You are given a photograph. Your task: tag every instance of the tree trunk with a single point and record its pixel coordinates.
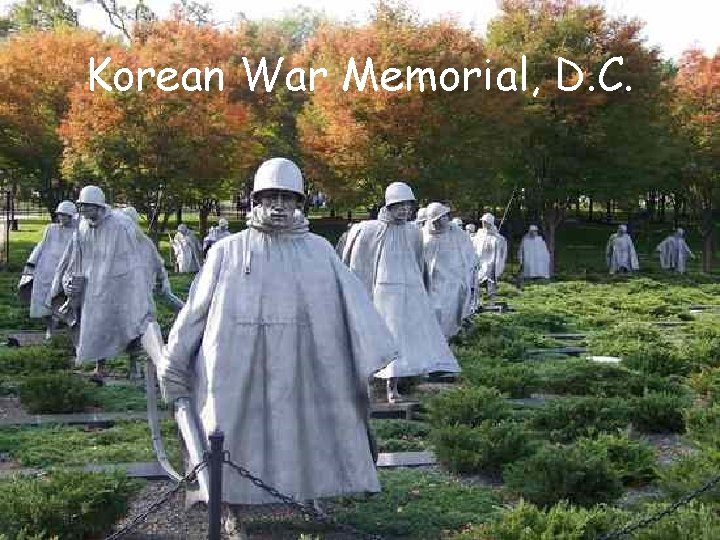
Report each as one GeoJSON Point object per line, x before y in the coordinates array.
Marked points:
{"type": "Point", "coordinates": [677, 203]}
{"type": "Point", "coordinates": [590, 209]}
{"type": "Point", "coordinates": [707, 230]}
{"type": "Point", "coordinates": [551, 220]}
{"type": "Point", "coordinates": [178, 214]}
{"type": "Point", "coordinates": [206, 206]}
{"type": "Point", "coordinates": [663, 203]}
{"type": "Point", "coordinates": [608, 211]}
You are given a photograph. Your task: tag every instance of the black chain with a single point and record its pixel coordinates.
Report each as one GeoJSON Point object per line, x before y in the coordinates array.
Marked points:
{"type": "Point", "coordinates": [161, 500]}
{"type": "Point", "coordinates": [647, 521]}
{"type": "Point", "coordinates": [307, 510]}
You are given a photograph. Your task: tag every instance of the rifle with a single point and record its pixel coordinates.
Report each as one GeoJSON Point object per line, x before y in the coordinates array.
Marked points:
{"type": "Point", "coordinates": [185, 414]}
{"type": "Point", "coordinates": [70, 311]}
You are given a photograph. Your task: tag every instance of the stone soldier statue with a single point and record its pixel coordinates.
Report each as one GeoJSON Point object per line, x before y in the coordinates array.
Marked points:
{"type": "Point", "coordinates": [276, 344]}
{"type": "Point", "coordinates": [452, 268]}
{"type": "Point", "coordinates": [387, 255]}
{"type": "Point", "coordinates": [215, 234]}
{"type": "Point", "coordinates": [43, 261]}
{"type": "Point", "coordinates": [620, 252]}
{"type": "Point", "coordinates": [187, 250]}
{"type": "Point", "coordinates": [674, 252]}
{"type": "Point", "coordinates": [534, 256]}
{"type": "Point", "coordinates": [491, 249]}
{"type": "Point", "coordinates": [109, 305]}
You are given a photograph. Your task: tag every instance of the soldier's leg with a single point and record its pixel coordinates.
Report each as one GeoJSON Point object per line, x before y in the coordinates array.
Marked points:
{"type": "Point", "coordinates": [393, 395]}
{"type": "Point", "coordinates": [232, 523]}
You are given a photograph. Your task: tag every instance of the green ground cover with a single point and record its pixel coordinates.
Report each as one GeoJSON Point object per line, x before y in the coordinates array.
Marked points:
{"type": "Point", "coordinates": [561, 467]}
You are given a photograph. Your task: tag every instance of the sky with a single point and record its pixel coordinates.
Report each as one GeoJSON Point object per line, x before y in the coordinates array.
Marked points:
{"type": "Point", "coordinates": [671, 25]}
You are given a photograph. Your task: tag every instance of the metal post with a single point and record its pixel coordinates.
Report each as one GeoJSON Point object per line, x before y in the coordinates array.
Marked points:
{"type": "Point", "coordinates": [217, 438]}
{"type": "Point", "coordinates": [8, 197]}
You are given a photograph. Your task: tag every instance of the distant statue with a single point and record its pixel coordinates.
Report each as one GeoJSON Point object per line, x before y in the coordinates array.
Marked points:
{"type": "Point", "coordinates": [387, 255]}
{"type": "Point", "coordinates": [620, 252]}
{"type": "Point", "coordinates": [105, 283]}
{"type": "Point", "coordinates": [452, 269]}
{"type": "Point", "coordinates": [674, 252]}
{"type": "Point", "coordinates": [491, 249]}
{"type": "Point", "coordinates": [187, 250]}
{"type": "Point", "coordinates": [276, 343]}
{"type": "Point", "coordinates": [40, 267]}
{"type": "Point", "coordinates": [534, 256]}
{"type": "Point", "coordinates": [471, 230]}
{"type": "Point", "coordinates": [421, 217]}
{"type": "Point", "coordinates": [216, 234]}
{"type": "Point", "coordinates": [340, 247]}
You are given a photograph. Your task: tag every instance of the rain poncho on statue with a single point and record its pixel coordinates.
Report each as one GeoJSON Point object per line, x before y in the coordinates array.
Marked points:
{"type": "Point", "coordinates": [186, 248]}
{"type": "Point", "coordinates": [674, 252]}
{"type": "Point", "coordinates": [387, 255]}
{"type": "Point", "coordinates": [452, 269]}
{"type": "Point", "coordinates": [216, 234]}
{"type": "Point", "coordinates": [279, 340]}
{"type": "Point", "coordinates": [116, 304]}
{"type": "Point", "coordinates": [620, 252]}
{"type": "Point", "coordinates": [491, 249]}
{"type": "Point", "coordinates": [46, 255]}
{"type": "Point", "coordinates": [534, 256]}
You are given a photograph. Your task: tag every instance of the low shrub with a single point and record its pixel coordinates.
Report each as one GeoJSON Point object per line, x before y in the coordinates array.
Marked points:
{"type": "Point", "coordinates": [515, 380]}
{"type": "Point", "coordinates": [71, 505]}
{"type": "Point", "coordinates": [579, 377]}
{"type": "Point", "coordinates": [633, 460]}
{"type": "Point", "coordinates": [695, 521]}
{"type": "Point", "coordinates": [467, 406]}
{"type": "Point", "coordinates": [659, 412]}
{"type": "Point", "coordinates": [690, 472]}
{"type": "Point", "coordinates": [556, 473]}
{"type": "Point", "coordinates": [33, 359]}
{"type": "Point", "coordinates": [563, 420]}
{"type": "Point", "coordinates": [486, 448]}
{"type": "Point", "coordinates": [707, 384]}
{"type": "Point", "coordinates": [703, 425]}
{"type": "Point", "coordinates": [563, 521]}
{"type": "Point", "coordinates": [57, 393]}
{"type": "Point", "coordinates": [400, 435]}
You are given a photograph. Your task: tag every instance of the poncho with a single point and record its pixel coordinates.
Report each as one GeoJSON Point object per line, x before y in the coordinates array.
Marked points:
{"type": "Point", "coordinates": [621, 253]}
{"type": "Point", "coordinates": [534, 257]}
{"type": "Point", "coordinates": [46, 256]}
{"type": "Point", "coordinates": [674, 253]}
{"type": "Point", "coordinates": [388, 259]}
{"type": "Point", "coordinates": [279, 339]}
{"type": "Point", "coordinates": [187, 252]}
{"type": "Point", "coordinates": [116, 303]}
{"type": "Point", "coordinates": [452, 270]}
{"type": "Point", "coordinates": [491, 249]}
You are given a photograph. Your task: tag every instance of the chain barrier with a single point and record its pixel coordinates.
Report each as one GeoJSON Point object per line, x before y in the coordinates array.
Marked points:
{"type": "Point", "coordinates": [650, 520]}
{"type": "Point", "coordinates": [161, 500]}
{"type": "Point", "coordinates": [307, 510]}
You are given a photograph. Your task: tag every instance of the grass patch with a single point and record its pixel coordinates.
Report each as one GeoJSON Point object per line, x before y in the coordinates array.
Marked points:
{"type": "Point", "coordinates": [76, 446]}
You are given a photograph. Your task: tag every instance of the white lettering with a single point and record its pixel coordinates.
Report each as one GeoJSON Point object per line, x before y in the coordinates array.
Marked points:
{"type": "Point", "coordinates": [94, 74]}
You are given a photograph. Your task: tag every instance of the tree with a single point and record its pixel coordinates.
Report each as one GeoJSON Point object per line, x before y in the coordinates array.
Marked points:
{"type": "Point", "coordinates": [596, 143]}
{"type": "Point", "coordinates": [42, 14]}
{"type": "Point", "coordinates": [449, 145]}
{"type": "Point", "coordinates": [34, 99]}
{"type": "Point", "coordinates": [697, 110]}
{"type": "Point", "coordinates": [158, 149]}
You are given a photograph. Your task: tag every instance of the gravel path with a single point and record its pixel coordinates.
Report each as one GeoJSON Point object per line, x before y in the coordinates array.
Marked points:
{"type": "Point", "coordinates": [173, 522]}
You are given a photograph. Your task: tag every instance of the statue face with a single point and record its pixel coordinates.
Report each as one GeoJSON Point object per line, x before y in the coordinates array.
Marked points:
{"type": "Point", "coordinates": [400, 212]}
{"type": "Point", "coordinates": [278, 207]}
{"type": "Point", "coordinates": [532, 233]}
{"type": "Point", "coordinates": [486, 225]}
{"type": "Point", "coordinates": [64, 219]}
{"type": "Point", "coordinates": [90, 212]}
{"type": "Point", "coordinates": [440, 224]}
